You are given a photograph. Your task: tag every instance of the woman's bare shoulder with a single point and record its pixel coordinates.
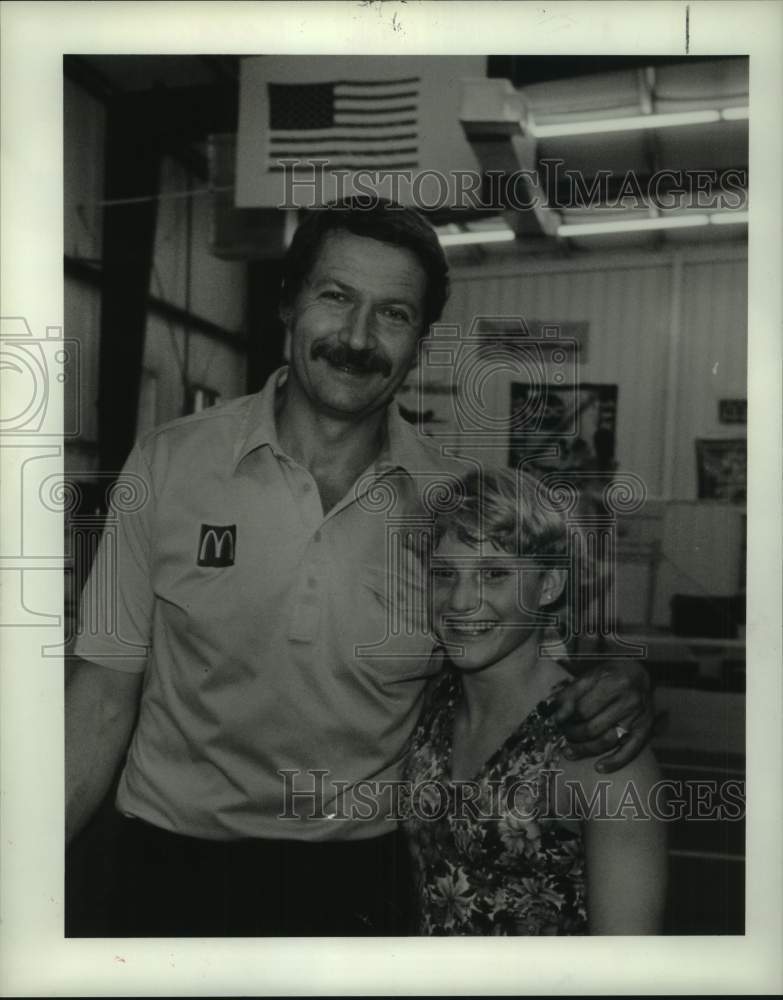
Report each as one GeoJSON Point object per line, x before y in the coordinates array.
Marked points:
{"type": "Point", "coordinates": [611, 789]}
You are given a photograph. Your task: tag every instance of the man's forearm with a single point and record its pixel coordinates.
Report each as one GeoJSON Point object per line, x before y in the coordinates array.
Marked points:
{"type": "Point", "coordinates": [100, 712]}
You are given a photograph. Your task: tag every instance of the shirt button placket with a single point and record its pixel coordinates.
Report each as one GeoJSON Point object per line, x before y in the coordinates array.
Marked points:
{"type": "Point", "coordinates": [311, 505]}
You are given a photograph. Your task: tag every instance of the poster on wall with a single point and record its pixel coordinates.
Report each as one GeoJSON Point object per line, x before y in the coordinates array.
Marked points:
{"type": "Point", "coordinates": [733, 411]}
{"type": "Point", "coordinates": [439, 397]}
{"type": "Point", "coordinates": [579, 419]}
{"type": "Point", "coordinates": [722, 469]}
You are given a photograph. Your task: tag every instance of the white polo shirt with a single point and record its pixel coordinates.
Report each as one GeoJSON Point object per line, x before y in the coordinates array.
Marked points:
{"type": "Point", "coordinates": [261, 615]}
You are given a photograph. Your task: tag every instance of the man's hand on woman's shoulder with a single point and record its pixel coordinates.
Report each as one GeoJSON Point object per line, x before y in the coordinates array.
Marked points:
{"type": "Point", "coordinates": [606, 713]}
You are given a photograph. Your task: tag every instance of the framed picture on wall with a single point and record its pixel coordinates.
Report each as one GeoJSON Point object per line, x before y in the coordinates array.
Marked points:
{"type": "Point", "coordinates": [722, 469]}
{"type": "Point", "coordinates": [733, 411]}
{"type": "Point", "coordinates": [580, 419]}
{"type": "Point", "coordinates": [463, 375]}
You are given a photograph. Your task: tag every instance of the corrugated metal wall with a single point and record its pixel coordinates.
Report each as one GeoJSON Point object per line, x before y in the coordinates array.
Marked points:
{"type": "Point", "coordinates": [85, 122]}
{"type": "Point", "coordinates": [713, 359]}
{"type": "Point", "coordinates": [627, 300]}
{"type": "Point", "coordinates": [216, 292]}
{"type": "Point", "coordinates": [217, 288]}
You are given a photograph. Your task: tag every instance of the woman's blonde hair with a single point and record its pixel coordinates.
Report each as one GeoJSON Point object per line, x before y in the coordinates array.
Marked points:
{"type": "Point", "coordinates": [507, 509]}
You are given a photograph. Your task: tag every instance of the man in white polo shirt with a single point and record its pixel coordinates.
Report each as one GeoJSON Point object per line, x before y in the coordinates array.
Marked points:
{"type": "Point", "coordinates": [253, 592]}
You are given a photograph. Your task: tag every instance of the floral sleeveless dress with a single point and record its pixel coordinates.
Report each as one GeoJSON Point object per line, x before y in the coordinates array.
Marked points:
{"type": "Point", "coordinates": [497, 865]}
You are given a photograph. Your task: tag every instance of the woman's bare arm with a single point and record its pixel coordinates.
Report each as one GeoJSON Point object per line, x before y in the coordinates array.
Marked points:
{"type": "Point", "coordinates": [626, 851]}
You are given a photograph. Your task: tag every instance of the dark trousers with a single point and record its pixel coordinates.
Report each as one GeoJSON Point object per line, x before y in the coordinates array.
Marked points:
{"type": "Point", "coordinates": [165, 884]}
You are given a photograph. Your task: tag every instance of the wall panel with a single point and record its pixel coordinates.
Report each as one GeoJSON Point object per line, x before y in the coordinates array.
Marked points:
{"type": "Point", "coordinates": [82, 323]}
{"type": "Point", "coordinates": [627, 337]}
{"type": "Point", "coordinates": [84, 127]}
{"type": "Point", "coordinates": [84, 124]}
{"type": "Point", "coordinates": [211, 364]}
{"type": "Point", "coordinates": [627, 300]}
{"type": "Point", "coordinates": [713, 359]}
{"type": "Point", "coordinates": [216, 292]}
{"type": "Point", "coordinates": [217, 287]}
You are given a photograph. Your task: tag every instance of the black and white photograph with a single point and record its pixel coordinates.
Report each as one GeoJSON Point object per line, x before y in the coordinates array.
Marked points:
{"type": "Point", "coordinates": [386, 517]}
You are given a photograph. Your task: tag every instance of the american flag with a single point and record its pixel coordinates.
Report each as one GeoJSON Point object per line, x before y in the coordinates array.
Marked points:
{"type": "Point", "coordinates": [352, 124]}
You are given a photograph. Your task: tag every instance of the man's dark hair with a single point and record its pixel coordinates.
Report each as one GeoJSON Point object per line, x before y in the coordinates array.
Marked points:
{"type": "Point", "coordinates": [377, 219]}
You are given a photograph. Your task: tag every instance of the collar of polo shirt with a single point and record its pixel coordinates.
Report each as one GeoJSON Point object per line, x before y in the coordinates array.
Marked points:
{"type": "Point", "coordinates": [402, 448]}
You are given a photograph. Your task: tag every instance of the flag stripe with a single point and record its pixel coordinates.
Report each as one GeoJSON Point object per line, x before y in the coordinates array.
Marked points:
{"type": "Point", "coordinates": [342, 108]}
{"type": "Point", "coordinates": [342, 165]}
{"type": "Point", "coordinates": [404, 150]}
{"type": "Point", "coordinates": [313, 140]}
{"type": "Point", "coordinates": [324, 154]}
{"type": "Point", "coordinates": [368, 127]}
{"type": "Point", "coordinates": [397, 123]}
{"type": "Point", "coordinates": [394, 95]}
{"type": "Point", "coordinates": [307, 152]}
{"type": "Point", "coordinates": [377, 83]}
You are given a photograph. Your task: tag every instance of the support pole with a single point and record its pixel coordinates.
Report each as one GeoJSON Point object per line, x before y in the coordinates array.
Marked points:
{"type": "Point", "coordinates": [133, 157]}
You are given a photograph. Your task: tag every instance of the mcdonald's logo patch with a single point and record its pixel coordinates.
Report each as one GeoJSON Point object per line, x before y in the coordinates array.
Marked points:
{"type": "Point", "coordinates": [217, 545]}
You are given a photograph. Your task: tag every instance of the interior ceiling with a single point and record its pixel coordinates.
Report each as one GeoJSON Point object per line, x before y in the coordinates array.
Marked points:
{"type": "Point", "coordinates": [555, 90]}
{"type": "Point", "coordinates": [663, 89]}
{"type": "Point", "coordinates": [124, 74]}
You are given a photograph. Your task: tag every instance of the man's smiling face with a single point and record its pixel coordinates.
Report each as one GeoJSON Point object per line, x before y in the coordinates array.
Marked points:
{"type": "Point", "coordinates": [355, 324]}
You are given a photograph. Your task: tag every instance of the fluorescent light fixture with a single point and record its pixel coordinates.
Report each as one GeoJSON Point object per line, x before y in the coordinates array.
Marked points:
{"type": "Point", "coordinates": [729, 218]}
{"type": "Point", "coordinates": [570, 229]}
{"type": "Point", "coordinates": [631, 225]}
{"type": "Point", "coordinates": [635, 122]}
{"type": "Point", "coordinates": [646, 225]}
{"type": "Point", "coordinates": [476, 236]}
{"type": "Point", "coordinates": [735, 114]}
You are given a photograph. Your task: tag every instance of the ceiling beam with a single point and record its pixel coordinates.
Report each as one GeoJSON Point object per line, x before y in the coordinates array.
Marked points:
{"type": "Point", "coordinates": [224, 68]}
{"type": "Point", "coordinates": [493, 117]}
{"type": "Point", "coordinates": [80, 71]}
{"type": "Point", "coordinates": [178, 117]}
{"type": "Point", "coordinates": [524, 71]}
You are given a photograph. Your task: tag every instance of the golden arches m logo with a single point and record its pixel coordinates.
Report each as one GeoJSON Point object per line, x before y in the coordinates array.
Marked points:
{"type": "Point", "coordinates": [217, 545]}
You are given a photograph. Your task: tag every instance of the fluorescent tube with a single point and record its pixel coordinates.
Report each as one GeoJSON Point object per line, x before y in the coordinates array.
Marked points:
{"type": "Point", "coordinates": [635, 122]}
{"type": "Point", "coordinates": [476, 236]}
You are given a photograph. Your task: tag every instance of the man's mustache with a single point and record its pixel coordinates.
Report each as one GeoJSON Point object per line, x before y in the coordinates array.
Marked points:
{"type": "Point", "coordinates": [346, 357]}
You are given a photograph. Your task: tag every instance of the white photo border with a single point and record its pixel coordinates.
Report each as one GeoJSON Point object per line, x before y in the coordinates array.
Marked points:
{"type": "Point", "coordinates": [35, 958]}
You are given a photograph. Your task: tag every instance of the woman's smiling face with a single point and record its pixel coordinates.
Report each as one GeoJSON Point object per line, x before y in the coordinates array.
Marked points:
{"type": "Point", "coordinates": [483, 602]}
